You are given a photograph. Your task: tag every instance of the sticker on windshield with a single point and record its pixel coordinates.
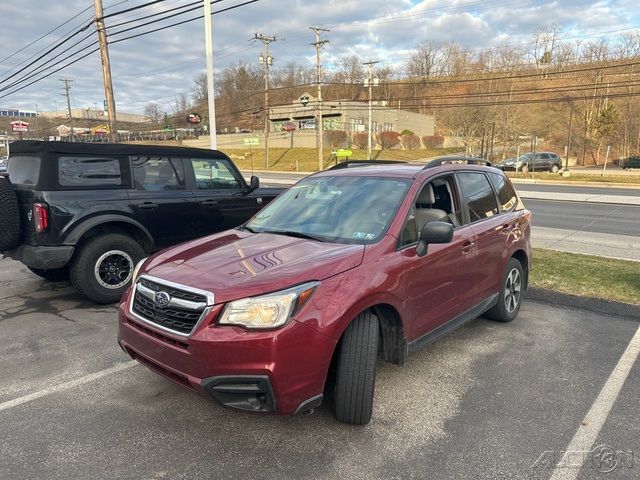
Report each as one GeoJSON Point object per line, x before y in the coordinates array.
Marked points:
{"type": "Point", "coordinates": [364, 235]}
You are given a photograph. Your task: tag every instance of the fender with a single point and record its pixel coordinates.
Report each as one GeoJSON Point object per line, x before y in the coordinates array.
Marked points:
{"type": "Point", "coordinates": [78, 231]}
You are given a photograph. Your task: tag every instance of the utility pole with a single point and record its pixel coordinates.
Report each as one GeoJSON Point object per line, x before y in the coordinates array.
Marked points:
{"type": "Point", "coordinates": [106, 71]}
{"type": "Point", "coordinates": [265, 61]}
{"type": "Point", "coordinates": [208, 42]}
{"type": "Point", "coordinates": [566, 166]}
{"type": "Point", "coordinates": [320, 124]}
{"type": "Point", "coordinates": [370, 82]}
{"type": "Point", "coordinates": [67, 88]}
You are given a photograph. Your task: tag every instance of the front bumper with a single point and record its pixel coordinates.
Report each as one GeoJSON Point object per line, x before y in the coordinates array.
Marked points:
{"type": "Point", "coordinates": [281, 371]}
{"type": "Point", "coordinates": [44, 258]}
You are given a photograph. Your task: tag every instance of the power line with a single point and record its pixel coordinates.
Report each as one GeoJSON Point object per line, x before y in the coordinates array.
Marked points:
{"type": "Point", "coordinates": [45, 35]}
{"type": "Point", "coordinates": [178, 23]}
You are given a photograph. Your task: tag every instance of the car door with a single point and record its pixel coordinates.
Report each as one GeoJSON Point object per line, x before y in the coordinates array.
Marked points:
{"type": "Point", "coordinates": [160, 199]}
{"type": "Point", "coordinates": [221, 194]}
{"type": "Point", "coordinates": [439, 286]}
{"type": "Point", "coordinates": [489, 227]}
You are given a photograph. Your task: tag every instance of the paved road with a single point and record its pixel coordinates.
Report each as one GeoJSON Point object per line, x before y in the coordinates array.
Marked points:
{"type": "Point", "coordinates": [539, 187]}
{"type": "Point", "coordinates": [485, 402]}
{"type": "Point", "coordinates": [588, 217]}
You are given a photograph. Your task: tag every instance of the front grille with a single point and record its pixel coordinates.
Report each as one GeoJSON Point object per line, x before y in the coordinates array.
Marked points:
{"type": "Point", "coordinates": [180, 315]}
{"type": "Point", "coordinates": [173, 292]}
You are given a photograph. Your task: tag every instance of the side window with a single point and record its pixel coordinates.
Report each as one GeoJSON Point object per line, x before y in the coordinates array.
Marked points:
{"type": "Point", "coordinates": [89, 172]}
{"type": "Point", "coordinates": [479, 195]}
{"type": "Point", "coordinates": [213, 174]}
{"type": "Point", "coordinates": [506, 193]}
{"type": "Point", "coordinates": [154, 174]}
{"type": "Point", "coordinates": [436, 201]}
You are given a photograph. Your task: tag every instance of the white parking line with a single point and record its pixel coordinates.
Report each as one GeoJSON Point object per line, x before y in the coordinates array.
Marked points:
{"type": "Point", "coordinates": [65, 386]}
{"type": "Point", "coordinates": [590, 427]}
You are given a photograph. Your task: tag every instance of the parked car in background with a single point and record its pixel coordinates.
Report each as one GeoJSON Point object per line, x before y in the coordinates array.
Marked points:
{"type": "Point", "coordinates": [346, 265]}
{"type": "Point", "coordinates": [3, 164]}
{"type": "Point", "coordinates": [90, 212]}
{"type": "Point", "coordinates": [630, 162]}
{"type": "Point", "coordinates": [533, 161]}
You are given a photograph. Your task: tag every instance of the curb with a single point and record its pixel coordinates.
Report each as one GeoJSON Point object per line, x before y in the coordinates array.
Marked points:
{"type": "Point", "coordinates": [595, 305]}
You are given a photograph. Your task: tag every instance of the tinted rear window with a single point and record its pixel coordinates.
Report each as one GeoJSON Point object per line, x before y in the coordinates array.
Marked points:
{"type": "Point", "coordinates": [506, 193]}
{"type": "Point", "coordinates": [479, 194]}
{"type": "Point", "coordinates": [24, 170]}
{"type": "Point", "coordinates": [89, 172]}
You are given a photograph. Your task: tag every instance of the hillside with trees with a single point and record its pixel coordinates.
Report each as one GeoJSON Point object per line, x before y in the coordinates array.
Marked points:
{"type": "Point", "coordinates": [518, 95]}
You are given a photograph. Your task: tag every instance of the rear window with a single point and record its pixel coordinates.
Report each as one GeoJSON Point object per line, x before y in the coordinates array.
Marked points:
{"type": "Point", "coordinates": [89, 172]}
{"type": "Point", "coordinates": [480, 197]}
{"type": "Point", "coordinates": [506, 193]}
{"type": "Point", "coordinates": [24, 170]}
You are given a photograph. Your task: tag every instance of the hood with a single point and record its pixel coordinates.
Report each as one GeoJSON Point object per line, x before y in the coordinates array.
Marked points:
{"type": "Point", "coordinates": [237, 264]}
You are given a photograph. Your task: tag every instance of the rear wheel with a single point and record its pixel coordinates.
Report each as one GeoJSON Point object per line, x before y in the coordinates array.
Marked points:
{"type": "Point", "coordinates": [103, 268]}
{"type": "Point", "coordinates": [53, 275]}
{"type": "Point", "coordinates": [356, 370]}
{"type": "Point", "coordinates": [9, 216]}
{"type": "Point", "coordinates": [510, 296]}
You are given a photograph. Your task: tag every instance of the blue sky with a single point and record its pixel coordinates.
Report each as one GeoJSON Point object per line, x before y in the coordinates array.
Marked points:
{"type": "Point", "coordinates": [159, 66]}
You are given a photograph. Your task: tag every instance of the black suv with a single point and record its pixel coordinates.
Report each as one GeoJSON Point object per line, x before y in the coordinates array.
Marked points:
{"type": "Point", "coordinates": [91, 212]}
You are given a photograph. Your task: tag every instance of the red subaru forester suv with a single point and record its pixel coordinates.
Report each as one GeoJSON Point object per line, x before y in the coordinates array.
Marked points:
{"type": "Point", "coordinates": [346, 266]}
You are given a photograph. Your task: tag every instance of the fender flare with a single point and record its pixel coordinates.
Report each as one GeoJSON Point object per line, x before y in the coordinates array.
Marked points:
{"type": "Point", "coordinates": [76, 233]}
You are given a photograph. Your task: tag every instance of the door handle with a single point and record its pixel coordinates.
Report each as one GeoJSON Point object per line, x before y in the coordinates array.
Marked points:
{"type": "Point", "coordinates": [209, 203]}
{"type": "Point", "coordinates": [148, 206]}
{"type": "Point", "coordinates": [467, 247]}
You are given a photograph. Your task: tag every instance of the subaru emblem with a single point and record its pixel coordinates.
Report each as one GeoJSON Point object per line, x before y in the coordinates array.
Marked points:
{"type": "Point", "coordinates": [161, 299]}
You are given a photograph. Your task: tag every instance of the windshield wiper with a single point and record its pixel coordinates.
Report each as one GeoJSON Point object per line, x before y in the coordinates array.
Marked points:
{"type": "Point", "coordinates": [248, 229]}
{"type": "Point", "coordinates": [292, 233]}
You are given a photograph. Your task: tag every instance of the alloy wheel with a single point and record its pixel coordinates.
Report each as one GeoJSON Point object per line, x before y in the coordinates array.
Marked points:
{"type": "Point", "coordinates": [512, 289]}
{"type": "Point", "coordinates": [114, 269]}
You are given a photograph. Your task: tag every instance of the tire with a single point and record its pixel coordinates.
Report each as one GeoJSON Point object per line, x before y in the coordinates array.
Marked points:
{"type": "Point", "coordinates": [554, 169]}
{"type": "Point", "coordinates": [103, 267]}
{"type": "Point", "coordinates": [505, 310]}
{"type": "Point", "coordinates": [53, 275]}
{"type": "Point", "coordinates": [9, 216]}
{"type": "Point", "coordinates": [356, 370]}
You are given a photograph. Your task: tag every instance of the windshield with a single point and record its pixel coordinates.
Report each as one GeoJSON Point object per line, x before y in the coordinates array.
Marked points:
{"type": "Point", "coordinates": [336, 209]}
{"type": "Point", "coordinates": [526, 156]}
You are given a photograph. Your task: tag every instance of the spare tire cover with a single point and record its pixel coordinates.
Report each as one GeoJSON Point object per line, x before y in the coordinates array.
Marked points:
{"type": "Point", "coordinates": [9, 216]}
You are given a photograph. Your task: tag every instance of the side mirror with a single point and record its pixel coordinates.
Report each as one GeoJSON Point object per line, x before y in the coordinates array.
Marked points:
{"type": "Point", "coordinates": [254, 183]}
{"type": "Point", "coordinates": [433, 232]}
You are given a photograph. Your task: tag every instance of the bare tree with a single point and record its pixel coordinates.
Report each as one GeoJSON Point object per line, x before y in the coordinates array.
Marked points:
{"type": "Point", "coordinates": [425, 61]}
{"type": "Point", "coordinates": [199, 90]}
{"type": "Point", "coordinates": [153, 111]}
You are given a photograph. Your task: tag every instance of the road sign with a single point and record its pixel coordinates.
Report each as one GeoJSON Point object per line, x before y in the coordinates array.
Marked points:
{"type": "Point", "coordinates": [194, 118]}
{"type": "Point", "coordinates": [289, 127]}
{"type": "Point", "coordinates": [252, 141]}
{"type": "Point", "coordinates": [19, 126]}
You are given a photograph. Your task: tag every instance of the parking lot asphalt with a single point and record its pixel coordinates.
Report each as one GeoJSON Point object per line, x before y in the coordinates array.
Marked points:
{"type": "Point", "coordinates": [488, 401]}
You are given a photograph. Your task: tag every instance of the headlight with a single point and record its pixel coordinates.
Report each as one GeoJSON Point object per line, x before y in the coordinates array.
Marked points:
{"type": "Point", "coordinates": [267, 311]}
{"type": "Point", "coordinates": [136, 270]}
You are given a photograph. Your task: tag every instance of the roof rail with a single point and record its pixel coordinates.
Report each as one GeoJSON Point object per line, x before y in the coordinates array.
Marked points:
{"type": "Point", "coordinates": [468, 160]}
{"type": "Point", "coordinates": [364, 163]}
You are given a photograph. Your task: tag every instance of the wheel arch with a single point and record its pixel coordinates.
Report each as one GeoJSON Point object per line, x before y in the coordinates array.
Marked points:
{"type": "Point", "coordinates": [111, 224]}
{"type": "Point", "coordinates": [523, 258]}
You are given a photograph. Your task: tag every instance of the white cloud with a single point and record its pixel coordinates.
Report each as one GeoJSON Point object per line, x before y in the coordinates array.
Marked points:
{"type": "Point", "coordinates": [162, 65]}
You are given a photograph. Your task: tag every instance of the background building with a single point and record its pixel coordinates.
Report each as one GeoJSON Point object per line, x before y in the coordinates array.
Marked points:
{"type": "Point", "coordinates": [350, 116]}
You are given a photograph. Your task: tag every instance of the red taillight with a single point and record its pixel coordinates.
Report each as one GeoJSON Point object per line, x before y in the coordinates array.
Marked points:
{"type": "Point", "coordinates": [40, 217]}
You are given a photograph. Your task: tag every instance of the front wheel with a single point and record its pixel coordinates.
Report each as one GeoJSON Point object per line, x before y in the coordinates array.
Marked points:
{"type": "Point", "coordinates": [356, 370]}
{"type": "Point", "coordinates": [555, 169]}
{"type": "Point", "coordinates": [103, 268]}
{"type": "Point", "coordinates": [510, 295]}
